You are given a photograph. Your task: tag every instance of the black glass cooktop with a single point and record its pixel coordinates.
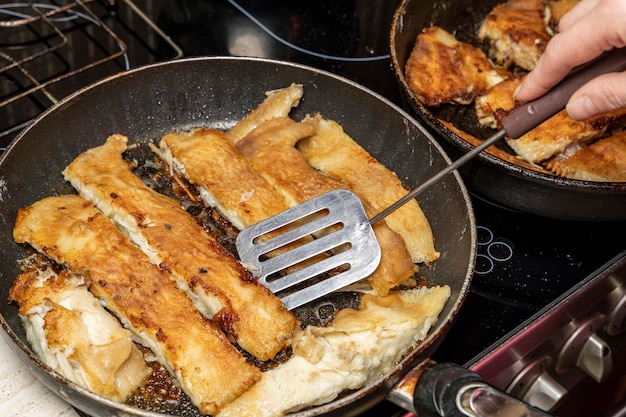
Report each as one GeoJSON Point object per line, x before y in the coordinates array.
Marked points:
{"type": "Point", "coordinates": [524, 261]}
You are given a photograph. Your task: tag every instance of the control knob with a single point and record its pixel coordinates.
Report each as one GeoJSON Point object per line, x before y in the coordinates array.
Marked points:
{"type": "Point", "coordinates": [586, 350]}
{"type": "Point", "coordinates": [535, 386]}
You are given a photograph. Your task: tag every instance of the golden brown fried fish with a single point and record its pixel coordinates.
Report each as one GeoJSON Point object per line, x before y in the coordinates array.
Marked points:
{"type": "Point", "coordinates": [271, 150]}
{"type": "Point", "coordinates": [517, 31]}
{"type": "Point", "coordinates": [223, 290]}
{"type": "Point", "coordinates": [71, 231]}
{"type": "Point", "coordinates": [441, 69]}
{"type": "Point", "coordinates": [603, 160]}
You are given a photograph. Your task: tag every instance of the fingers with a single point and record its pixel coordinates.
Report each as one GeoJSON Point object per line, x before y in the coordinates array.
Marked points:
{"type": "Point", "coordinates": [600, 95]}
{"type": "Point", "coordinates": [550, 69]}
{"type": "Point", "coordinates": [579, 11]}
{"type": "Point", "coordinates": [589, 29]}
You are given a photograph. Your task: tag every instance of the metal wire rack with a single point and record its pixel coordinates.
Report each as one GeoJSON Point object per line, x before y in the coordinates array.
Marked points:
{"type": "Point", "coordinates": [49, 49]}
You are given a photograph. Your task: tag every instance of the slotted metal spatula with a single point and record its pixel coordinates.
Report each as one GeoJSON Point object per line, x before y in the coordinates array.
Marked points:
{"type": "Point", "coordinates": [342, 229]}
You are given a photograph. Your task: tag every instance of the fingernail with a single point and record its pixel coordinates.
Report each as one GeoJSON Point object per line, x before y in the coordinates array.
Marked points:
{"type": "Point", "coordinates": [517, 90]}
{"type": "Point", "coordinates": [581, 108]}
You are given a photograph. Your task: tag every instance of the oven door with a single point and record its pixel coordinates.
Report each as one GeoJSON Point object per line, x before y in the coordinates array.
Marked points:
{"type": "Point", "coordinates": [570, 358]}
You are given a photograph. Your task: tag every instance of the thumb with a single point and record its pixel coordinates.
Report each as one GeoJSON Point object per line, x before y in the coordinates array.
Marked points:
{"type": "Point", "coordinates": [603, 94]}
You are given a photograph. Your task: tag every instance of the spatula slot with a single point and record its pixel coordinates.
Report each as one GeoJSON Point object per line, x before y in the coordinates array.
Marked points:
{"type": "Point", "coordinates": [295, 236]}
{"type": "Point", "coordinates": [309, 258]}
{"type": "Point", "coordinates": [312, 249]}
{"type": "Point", "coordinates": [296, 223]}
{"type": "Point", "coordinates": [284, 285]}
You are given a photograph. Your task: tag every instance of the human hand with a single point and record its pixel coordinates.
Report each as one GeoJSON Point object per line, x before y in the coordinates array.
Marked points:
{"type": "Point", "coordinates": [588, 30]}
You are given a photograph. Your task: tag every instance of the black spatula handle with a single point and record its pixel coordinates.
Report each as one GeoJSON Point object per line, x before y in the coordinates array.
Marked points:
{"type": "Point", "coordinates": [533, 113]}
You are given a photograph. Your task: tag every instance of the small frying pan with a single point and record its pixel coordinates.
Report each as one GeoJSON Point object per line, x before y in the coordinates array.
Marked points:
{"type": "Point", "coordinates": [510, 185]}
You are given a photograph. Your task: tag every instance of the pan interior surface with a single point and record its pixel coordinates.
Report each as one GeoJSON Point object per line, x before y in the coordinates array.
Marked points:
{"type": "Point", "coordinates": [146, 103]}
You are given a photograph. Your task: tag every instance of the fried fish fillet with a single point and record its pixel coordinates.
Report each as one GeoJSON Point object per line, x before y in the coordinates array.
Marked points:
{"type": "Point", "coordinates": [603, 160]}
{"type": "Point", "coordinates": [219, 285]}
{"type": "Point", "coordinates": [354, 350]}
{"type": "Point", "coordinates": [74, 335]}
{"type": "Point", "coordinates": [270, 148]}
{"type": "Point", "coordinates": [334, 153]}
{"type": "Point", "coordinates": [222, 175]}
{"type": "Point", "coordinates": [226, 181]}
{"type": "Point", "coordinates": [561, 131]}
{"type": "Point", "coordinates": [72, 232]}
{"type": "Point", "coordinates": [496, 103]}
{"type": "Point", "coordinates": [278, 103]}
{"type": "Point", "coordinates": [441, 69]}
{"type": "Point", "coordinates": [552, 136]}
{"type": "Point", "coordinates": [517, 31]}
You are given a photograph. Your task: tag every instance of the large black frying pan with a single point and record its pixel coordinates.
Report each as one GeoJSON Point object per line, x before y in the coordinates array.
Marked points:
{"type": "Point", "coordinates": [146, 103]}
{"type": "Point", "coordinates": [509, 184]}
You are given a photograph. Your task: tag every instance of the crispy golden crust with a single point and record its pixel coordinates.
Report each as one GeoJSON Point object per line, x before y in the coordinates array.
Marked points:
{"type": "Point", "coordinates": [227, 181]}
{"type": "Point", "coordinates": [440, 69]}
{"type": "Point", "coordinates": [561, 131]}
{"type": "Point", "coordinates": [496, 103]}
{"type": "Point", "coordinates": [72, 232]}
{"type": "Point", "coordinates": [277, 104]}
{"type": "Point", "coordinates": [603, 160]}
{"type": "Point", "coordinates": [248, 311]}
{"type": "Point", "coordinates": [331, 151]}
{"type": "Point", "coordinates": [29, 292]}
{"type": "Point", "coordinates": [211, 161]}
{"type": "Point", "coordinates": [549, 138]}
{"type": "Point", "coordinates": [517, 31]}
{"type": "Point", "coordinates": [270, 148]}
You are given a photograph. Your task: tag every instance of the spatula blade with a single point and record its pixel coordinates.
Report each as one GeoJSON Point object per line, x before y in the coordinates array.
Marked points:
{"type": "Point", "coordinates": [343, 232]}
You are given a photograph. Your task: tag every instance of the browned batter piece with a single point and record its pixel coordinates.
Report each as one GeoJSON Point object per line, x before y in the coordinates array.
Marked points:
{"type": "Point", "coordinates": [270, 148]}
{"type": "Point", "coordinates": [603, 160]}
{"type": "Point", "coordinates": [222, 288]}
{"type": "Point", "coordinates": [550, 137]}
{"type": "Point", "coordinates": [497, 102]}
{"type": "Point", "coordinates": [72, 232]}
{"type": "Point", "coordinates": [75, 335]}
{"type": "Point", "coordinates": [561, 131]}
{"type": "Point", "coordinates": [517, 31]}
{"type": "Point", "coordinates": [278, 103]}
{"type": "Point", "coordinates": [441, 69]}
{"type": "Point", "coordinates": [226, 180]}
{"type": "Point", "coordinates": [211, 162]}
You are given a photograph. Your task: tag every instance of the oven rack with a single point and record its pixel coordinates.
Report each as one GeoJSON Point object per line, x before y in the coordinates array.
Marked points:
{"type": "Point", "coordinates": [45, 44]}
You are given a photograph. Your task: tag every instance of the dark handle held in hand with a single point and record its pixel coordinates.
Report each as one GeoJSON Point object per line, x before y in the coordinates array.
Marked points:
{"type": "Point", "coordinates": [535, 112]}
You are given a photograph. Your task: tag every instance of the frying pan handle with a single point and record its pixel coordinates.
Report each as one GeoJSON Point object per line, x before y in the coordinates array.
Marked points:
{"type": "Point", "coordinates": [449, 390]}
{"type": "Point", "coordinates": [535, 112]}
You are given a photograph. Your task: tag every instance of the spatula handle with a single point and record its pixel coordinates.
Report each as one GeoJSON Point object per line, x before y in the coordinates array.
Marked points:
{"type": "Point", "coordinates": [533, 113]}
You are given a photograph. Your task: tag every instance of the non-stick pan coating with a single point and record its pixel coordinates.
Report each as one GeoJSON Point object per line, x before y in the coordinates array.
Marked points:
{"type": "Point", "coordinates": [184, 94]}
